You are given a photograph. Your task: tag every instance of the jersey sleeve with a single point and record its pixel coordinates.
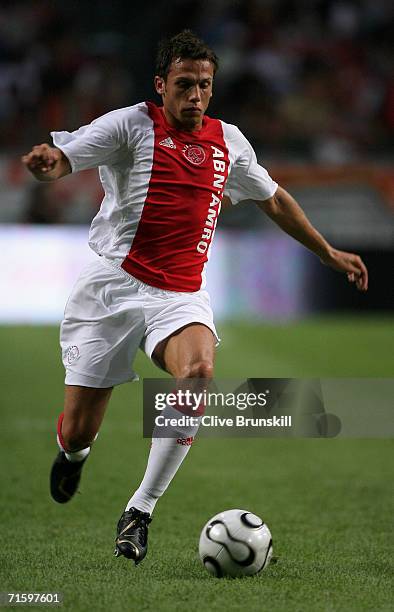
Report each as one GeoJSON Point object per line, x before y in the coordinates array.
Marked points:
{"type": "Point", "coordinates": [101, 143]}
{"type": "Point", "coordinates": [247, 179]}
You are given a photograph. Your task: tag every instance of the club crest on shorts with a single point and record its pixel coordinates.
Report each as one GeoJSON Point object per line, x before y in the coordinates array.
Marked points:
{"type": "Point", "coordinates": [194, 154]}
{"type": "Point", "coordinates": [72, 354]}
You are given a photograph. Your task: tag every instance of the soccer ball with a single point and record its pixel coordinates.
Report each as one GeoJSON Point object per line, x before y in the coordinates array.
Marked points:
{"type": "Point", "coordinates": [235, 543]}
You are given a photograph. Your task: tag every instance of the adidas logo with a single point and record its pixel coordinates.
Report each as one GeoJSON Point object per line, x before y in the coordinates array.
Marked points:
{"type": "Point", "coordinates": [168, 142]}
{"type": "Point", "coordinates": [185, 441]}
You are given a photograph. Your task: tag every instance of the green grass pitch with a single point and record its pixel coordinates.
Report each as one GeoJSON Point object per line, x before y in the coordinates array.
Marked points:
{"type": "Point", "coordinates": [327, 502]}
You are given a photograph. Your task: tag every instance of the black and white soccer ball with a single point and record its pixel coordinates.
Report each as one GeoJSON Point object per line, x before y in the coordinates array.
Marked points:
{"type": "Point", "coordinates": [235, 543]}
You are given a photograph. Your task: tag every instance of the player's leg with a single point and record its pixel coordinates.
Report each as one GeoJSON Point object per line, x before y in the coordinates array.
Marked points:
{"type": "Point", "coordinates": [101, 332]}
{"type": "Point", "coordinates": [187, 353]}
{"type": "Point", "coordinates": [78, 425]}
{"type": "Point", "coordinates": [84, 409]}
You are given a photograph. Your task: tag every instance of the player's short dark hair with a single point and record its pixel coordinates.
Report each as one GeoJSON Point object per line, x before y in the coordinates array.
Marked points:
{"type": "Point", "coordinates": [185, 45]}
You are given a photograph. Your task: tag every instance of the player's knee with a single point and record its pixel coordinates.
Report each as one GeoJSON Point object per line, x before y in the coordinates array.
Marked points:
{"type": "Point", "coordinates": [198, 369]}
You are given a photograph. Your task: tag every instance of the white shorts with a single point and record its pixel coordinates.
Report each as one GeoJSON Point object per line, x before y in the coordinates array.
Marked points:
{"type": "Point", "coordinates": [110, 314]}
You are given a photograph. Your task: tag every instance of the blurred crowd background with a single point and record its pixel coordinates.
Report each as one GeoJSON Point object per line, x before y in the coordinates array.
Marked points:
{"type": "Point", "coordinates": [309, 82]}
{"type": "Point", "coordinates": [309, 79]}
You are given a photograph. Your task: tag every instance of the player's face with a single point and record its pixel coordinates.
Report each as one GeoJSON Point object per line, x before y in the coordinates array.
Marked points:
{"type": "Point", "coordinates": [186, 92]}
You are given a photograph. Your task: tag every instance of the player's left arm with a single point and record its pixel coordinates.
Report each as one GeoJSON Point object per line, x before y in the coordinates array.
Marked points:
{"type": "Point", "coordinates": [289, 216]}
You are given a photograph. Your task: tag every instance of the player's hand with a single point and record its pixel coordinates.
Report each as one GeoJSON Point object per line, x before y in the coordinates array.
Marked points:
{"type": "Point", "coordinates": [43, 161]}
{"type": "Point", "coordinates": [349, 263]}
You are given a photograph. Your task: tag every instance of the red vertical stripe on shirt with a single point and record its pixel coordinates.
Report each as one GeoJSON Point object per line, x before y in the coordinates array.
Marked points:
{"type": "Point", "coordinates": [189, 171]}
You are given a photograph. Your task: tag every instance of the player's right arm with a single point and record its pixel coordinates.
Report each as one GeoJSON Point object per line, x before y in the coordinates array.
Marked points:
{"type": "Point", "coordinates": [46, 163]}
{"type": "Point", "coordinates": [106, 141]}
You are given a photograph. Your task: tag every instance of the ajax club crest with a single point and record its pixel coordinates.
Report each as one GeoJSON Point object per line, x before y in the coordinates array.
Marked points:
{"type": "Point", "coordinates": [72, 354]}
{"type": "Point", "coordinates": [194, 154]}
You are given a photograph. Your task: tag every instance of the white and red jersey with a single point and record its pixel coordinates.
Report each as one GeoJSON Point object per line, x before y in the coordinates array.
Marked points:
{"type": "Point", "coordinates": [163, 189]}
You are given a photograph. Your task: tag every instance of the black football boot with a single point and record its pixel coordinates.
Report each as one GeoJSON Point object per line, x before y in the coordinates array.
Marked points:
{"type": "Point", "coordinates": [132, 535]}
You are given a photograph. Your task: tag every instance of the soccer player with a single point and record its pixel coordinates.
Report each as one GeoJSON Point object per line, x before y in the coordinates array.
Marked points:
{"type": "Point", "coordinates": [165, 171]}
